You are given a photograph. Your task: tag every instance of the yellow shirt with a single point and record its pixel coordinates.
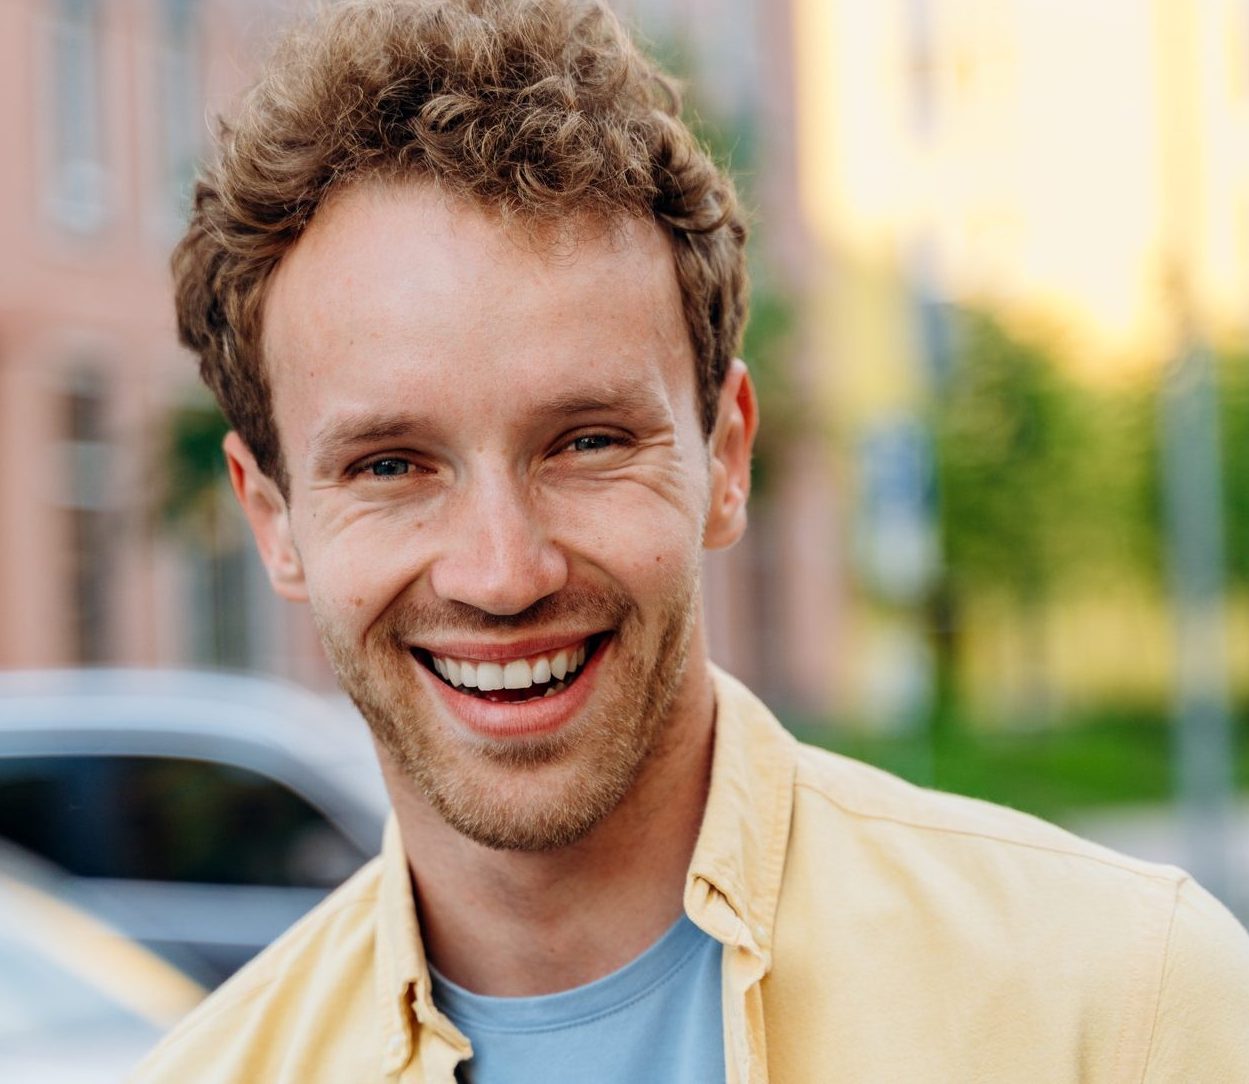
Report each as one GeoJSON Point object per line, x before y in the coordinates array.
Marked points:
{"type": "Point", "coordinates": [873, 931]}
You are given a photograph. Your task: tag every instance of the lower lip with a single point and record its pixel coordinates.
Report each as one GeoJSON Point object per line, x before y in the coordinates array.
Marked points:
{"type": "Point", "coordinates": [528, 719]}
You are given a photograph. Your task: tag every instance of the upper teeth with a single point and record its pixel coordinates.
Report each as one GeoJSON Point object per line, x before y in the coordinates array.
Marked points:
{"type": "Point", "coordinates": [511, 673]}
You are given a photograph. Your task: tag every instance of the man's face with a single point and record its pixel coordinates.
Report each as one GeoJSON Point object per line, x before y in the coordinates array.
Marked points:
{"type": "Point", "coordinates": [499, 494]}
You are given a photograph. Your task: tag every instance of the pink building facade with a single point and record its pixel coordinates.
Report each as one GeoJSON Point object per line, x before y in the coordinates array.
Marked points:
{"type": "Point", "coordinates": [106, 113]}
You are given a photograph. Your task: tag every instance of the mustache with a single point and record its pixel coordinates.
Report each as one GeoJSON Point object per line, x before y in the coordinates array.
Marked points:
{"type": "Point", "coordinates": [580, 607]}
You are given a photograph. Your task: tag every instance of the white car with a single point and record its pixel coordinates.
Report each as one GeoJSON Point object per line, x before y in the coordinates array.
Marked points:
{"type": "Point", "coordinates": [198, 813]}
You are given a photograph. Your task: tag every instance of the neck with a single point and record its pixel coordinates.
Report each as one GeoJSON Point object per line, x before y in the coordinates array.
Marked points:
{"type": "Point", "coordinates": [511, 923]}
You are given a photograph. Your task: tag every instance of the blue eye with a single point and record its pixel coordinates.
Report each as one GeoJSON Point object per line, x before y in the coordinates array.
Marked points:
{"type": "Point", "coordinates": [389, 468]}
{"type": "Point", "coordinates": [594, 442]}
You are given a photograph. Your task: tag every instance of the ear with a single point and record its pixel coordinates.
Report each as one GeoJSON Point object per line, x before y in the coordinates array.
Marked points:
{"type": "Point", "coordinates": [731, 442]}
{"type": "Point", "coordinates": [266, 511]}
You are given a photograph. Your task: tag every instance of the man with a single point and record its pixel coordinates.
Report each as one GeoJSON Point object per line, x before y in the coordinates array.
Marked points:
{"type": "Point", "coordinates": [469, 294]}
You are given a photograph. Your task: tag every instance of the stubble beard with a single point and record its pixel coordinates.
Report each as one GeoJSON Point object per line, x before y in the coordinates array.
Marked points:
{"type": "Point", "coordinates": [534, 795]}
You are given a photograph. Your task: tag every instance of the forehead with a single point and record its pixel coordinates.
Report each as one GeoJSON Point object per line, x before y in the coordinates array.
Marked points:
{"type": "Point", "coordinates": [399, 289]}
{"type": "Point", "coordinates": [376, 251]}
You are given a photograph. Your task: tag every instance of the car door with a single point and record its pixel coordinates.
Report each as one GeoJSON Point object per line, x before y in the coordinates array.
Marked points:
{"type": "Point", "coordinates": [203, 860]}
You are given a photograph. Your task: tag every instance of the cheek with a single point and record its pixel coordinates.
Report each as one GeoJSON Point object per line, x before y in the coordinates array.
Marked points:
{"type": "Point", "coordinates": [650, 551]}
{"type": "Point", "coordinates": [648, 527]}
{"type": "Point", "coordinates": [355, 575]}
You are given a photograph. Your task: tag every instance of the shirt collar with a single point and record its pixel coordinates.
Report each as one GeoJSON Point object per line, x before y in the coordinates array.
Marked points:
{"type": "Point", "coordinates": [734, 878]}
{"type": "Point", "coordinates": [403, 986]}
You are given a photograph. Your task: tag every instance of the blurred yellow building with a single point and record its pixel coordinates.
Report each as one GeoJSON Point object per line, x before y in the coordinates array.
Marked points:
{"type": "Point", "coordinates": [1081, 169]}
{"type": "Point", "coordinates": [1057, 159]}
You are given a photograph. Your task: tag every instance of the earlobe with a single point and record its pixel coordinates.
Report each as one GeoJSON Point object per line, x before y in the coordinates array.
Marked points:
{"type": "Point", "coordinates": [267, 513]}
{"type": "Point", "coordinates": [731, 444]}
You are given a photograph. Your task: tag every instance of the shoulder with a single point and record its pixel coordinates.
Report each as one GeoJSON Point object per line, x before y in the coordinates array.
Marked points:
{"type": "Point", "coordinates": [964, 896]}
{"type": "Point", "coordinates": [314, 971]}
{"type": "Point", "coordinates": [945, 917]}
{"type": "Point", "coordinates": [896, 814]}
{"type": "Point", "coordinates": [983, 872]}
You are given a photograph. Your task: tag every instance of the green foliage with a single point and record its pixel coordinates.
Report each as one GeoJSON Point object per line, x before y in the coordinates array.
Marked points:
{"type": "Point", "coordinates": [1041, 481]}
{"type": "Point", "coordinates": [1044, 487]}
{"type": "Point", "coordinates": [767, 348]}
{"type": "Point", "coordinates": [1109, 756]}
{"type": "Point", "coordinates": [1004, 429]}
{"type": "Point", "coordinates": [194, 463]}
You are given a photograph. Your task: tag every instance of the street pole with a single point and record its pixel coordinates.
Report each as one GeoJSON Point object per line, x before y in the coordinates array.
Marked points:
{"type": "Point", "coordinates": [1193, 501]}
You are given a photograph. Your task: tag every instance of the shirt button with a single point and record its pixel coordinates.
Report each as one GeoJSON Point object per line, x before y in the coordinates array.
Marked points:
{"type": "Point", "coordinates": [760, 932]}
{"type": "Point", "coordinates": [394, 1046]}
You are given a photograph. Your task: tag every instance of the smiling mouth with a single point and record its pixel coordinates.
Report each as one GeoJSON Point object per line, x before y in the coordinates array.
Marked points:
{"type": "Point", "coordinates": [514, 681]}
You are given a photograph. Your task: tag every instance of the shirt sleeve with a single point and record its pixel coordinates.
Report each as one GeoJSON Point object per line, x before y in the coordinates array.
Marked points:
{"type": "Point", "coordinates": [1201, 1028]}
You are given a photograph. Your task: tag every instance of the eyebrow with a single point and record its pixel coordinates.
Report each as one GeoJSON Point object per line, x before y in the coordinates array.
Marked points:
{"type": "Point", "coordinates": [340, 436]}
{"type": "Point", "coordinates": [632, 399]}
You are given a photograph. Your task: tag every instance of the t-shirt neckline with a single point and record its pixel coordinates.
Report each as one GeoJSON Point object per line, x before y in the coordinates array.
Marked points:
{"type": "Point", "coordinates": [579, 1005]}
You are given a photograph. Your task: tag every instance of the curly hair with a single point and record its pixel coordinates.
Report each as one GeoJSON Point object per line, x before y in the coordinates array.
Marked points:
{"type": "Point", "coordinates": [536, 108]}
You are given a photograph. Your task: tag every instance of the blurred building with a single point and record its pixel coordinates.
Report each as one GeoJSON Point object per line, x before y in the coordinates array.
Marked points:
{"type": "Point", "coordinates": [1061, 159]}
{"type": "Point", "coordinates": [107, 109]}
{"type": "Point", "coordinates": [1082, 170]}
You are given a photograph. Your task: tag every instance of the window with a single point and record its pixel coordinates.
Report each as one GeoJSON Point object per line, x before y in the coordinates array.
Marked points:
{"type": "Point", "coordinates": [921, 60]}
{"type": "Point", "coordinates": [181, 121]}
{"type": "Point", "coordinates": [87, 466]}
{"type": "Point", "coordinates": [223, 593]}
{"type": "Point", "coordinates": [169, 819]}
{"type": "Point", "coordinates": [933, 315]}
{"type": "Point", "coordinates": [76, 192]}
{"type": "Point", "coordinates": [896, 538]}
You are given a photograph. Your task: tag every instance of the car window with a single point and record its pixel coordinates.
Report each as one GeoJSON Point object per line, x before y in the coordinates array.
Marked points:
{"type": "Point", "coordinates": [169, 819]}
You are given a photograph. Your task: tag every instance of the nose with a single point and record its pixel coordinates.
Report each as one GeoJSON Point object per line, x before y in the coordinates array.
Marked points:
{"type": "Point", "coordinates": [498, 555]}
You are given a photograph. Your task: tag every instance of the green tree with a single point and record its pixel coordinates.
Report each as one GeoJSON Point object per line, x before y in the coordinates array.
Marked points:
{"type": "Point", "coordinates": [194, 466]}
{"type": "Point", "coordinates": [1005, 431]}
{"type": "Point", "coordinates": [1042, 483]}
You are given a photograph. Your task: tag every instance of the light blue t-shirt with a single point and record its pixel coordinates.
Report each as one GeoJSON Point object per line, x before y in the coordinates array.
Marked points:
{"type": "Point", "coordinates": [658, 1019]}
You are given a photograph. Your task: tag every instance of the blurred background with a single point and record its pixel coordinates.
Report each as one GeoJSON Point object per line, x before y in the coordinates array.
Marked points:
{"type": "Point", "coordinates": [1000, 534]}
